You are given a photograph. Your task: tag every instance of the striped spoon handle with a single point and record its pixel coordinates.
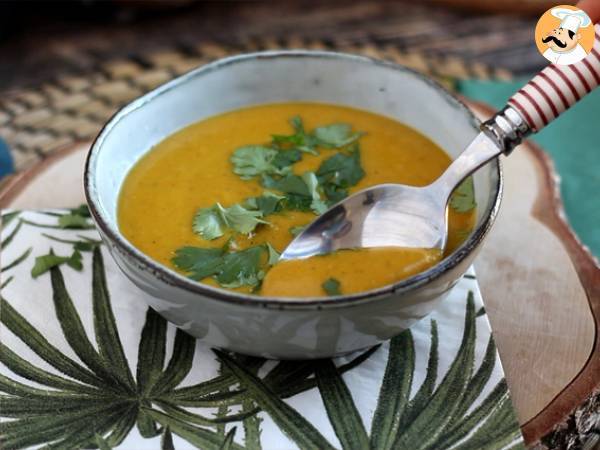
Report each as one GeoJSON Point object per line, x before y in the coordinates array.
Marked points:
{"type": "Point", "coordinates": [556, 88]}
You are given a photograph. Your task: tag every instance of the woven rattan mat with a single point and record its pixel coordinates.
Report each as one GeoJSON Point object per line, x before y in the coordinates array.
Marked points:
{"type": "Point", "coordinates": [37, 121]}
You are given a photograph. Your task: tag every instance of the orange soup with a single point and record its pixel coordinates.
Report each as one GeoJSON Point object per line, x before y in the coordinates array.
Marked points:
{"type": "Point", "coordinates": [219, 199]}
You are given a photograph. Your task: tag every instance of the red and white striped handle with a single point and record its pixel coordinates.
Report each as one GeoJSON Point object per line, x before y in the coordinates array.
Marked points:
{"type": "Point", "coordinates": [556, 88]}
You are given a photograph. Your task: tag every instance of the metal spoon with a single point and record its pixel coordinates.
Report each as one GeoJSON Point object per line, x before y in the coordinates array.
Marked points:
{"type": "Point", "coordinates": [395, 215]}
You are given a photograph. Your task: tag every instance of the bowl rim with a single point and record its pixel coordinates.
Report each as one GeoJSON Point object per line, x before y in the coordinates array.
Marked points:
{"type": "Point", "coordinates": [174, 279]}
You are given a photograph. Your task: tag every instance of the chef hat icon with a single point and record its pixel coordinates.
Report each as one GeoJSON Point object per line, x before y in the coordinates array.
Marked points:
{"type": "Point", "coordinates": [571, 20]}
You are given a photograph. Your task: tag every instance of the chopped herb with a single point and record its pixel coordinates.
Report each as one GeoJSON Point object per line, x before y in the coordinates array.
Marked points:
{"type": "Point", "coordinates": [199, 262]}
{"type": "Point", "coordinates": [286, 158]}
{"type": "Point", "coordinates": [230, 269]}
{"type": "Point", "coordinates": [46, 262]}
{"type": "Point", "coordinates": [300, 140]}
{"type": "Point", "coordinates": [267, 203]}
{"type": "Point", "coordinates": [331, 287]}
{"type": "Point", "coordinates": [463, 197]}
{"type": "Point", "coordinates": [274, 255]}
{"type": "Point", "coordinates": [336, 135]}
{"type": "Point", "coordinates": [341, 170]}
{"type": "Point", "coordinates": [297, 196]}
{"type": "Point", "coordinates": [317, 204]}
{"type": "Point", "coordinates": [290, 184]}
{"type": "Point", "coordinates": [272, 164]}
{"type": "Point", "coordinates": [242, 268]}
{"type": "Point", "coordinates": [211, 223]}
{"type": "Point", "coordinates": [302, 191]}
{"type": "Point", "coordinates": [254, 160]}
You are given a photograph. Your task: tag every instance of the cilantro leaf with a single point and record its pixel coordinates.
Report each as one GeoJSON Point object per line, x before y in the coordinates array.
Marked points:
{"type": "Point", "coordinates": [286, 158]}
{"type": "Point", "coordinates": [252, 160]}
{"type": "Point", "coordinates": [274, 255]}
{"type": "Point", "coordinates": [46, 262]}
{"type": "Point", "coordinates": [297, 196]}
{"type": "Point", "coordinates": [317, 204]}
{"type": "Point", "coordinates": [339, 172]}
{"type": "Point", "coordinates": [200, 262]}
{"type": "Point", "coordinates": [342, 170]}
{"type": "Point", "coordinates": [331, 286]}
{"type": "Point", "coordinates": [463, 197]}
{"type": "Point", "coordinates": [336, 135]}
{"type": "Point", "coordinates": [208, 223]}
{"type": "Point", "coordinates": [290, 184]}
{"type": "Point", "coordinates": [242, 268]}
{"type": "Point", "coordinates": [334, 193]}
{"type": "Point", "coordinates": [300, 140]}
{"type": "Point", "coordinates": [230, 269]}
{"type": "Point", "coordinates": [211, 223]}
{"type": "Point", "coordinates": [267, 203]}
{"type": "Point", "coordinates": [302, 191]}
{"type": "Point", "coordinates": [240, 219]}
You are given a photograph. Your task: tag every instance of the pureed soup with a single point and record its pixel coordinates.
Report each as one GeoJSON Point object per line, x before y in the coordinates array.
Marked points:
{"type": "Point", "coordinates": [219, 199]}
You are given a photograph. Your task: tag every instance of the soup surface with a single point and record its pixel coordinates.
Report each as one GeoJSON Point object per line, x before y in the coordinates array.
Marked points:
{"type": "Point", "coordinates": [220, 198]}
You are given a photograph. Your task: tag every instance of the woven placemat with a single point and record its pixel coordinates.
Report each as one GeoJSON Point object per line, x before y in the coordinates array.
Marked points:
{"type": "Point", "coordinates": [37, 121]}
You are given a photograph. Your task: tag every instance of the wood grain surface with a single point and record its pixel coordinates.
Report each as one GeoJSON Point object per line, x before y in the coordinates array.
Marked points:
{"type": "Point", "coordinates": [540, 286]}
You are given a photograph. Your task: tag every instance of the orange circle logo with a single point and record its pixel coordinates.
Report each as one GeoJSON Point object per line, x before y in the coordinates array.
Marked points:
{"type": "Point", "coordinates": [564, 35]}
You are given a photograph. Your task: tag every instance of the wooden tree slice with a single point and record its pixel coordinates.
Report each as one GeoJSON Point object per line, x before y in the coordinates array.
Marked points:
{"type": "Point", "coordinates": [540, 285]}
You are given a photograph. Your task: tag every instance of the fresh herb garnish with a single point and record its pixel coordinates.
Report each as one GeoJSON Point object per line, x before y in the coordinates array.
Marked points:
{"type": "Point", "coordinates": [211, 223]}
{"type": "Point", "coordinates": [274, 255]}
{"type": "Point", "coordinates": [336, 135]}
{"type": "Point", "coordinates": [272, 164]}
{"type": "Point", "coordinates": [198, 262]}
{"type": "Point", "coordinates": [331, 287]}
{"type": "Point", "coordinates": [339, 172]}
{"type": "Point", "coordinates": [317, 204]}
{"type": "Point", "coordinates": [463, 197]}
{"type": "Point", "coordinates": [300, 140]}
{"type": "Point", "coordinates": [286, 158]}
{"type": "Point", "coordinates": [268, 203]}
{"type": "Point", "coordinates": [302, 191]}
{"type": "Point", "coordinates": [253, 160]}
{"type": "Point", "coordinates": [46, 262]}
{"type": "Point", "coordinates": [230, 269]}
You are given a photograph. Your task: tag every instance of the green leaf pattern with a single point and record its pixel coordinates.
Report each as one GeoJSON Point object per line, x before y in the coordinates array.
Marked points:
{"type": "Point", "coordinates": [84, 364]}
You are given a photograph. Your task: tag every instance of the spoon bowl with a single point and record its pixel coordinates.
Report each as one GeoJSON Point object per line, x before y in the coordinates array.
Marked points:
{"type": "Point", "coordinates": [395, 215]}
{"type": "Point", "coordinates": [386, 215]}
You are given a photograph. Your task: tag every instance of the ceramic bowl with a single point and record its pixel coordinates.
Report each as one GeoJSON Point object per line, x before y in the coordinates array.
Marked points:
{"type": "Point", "coordinates": [285, 328]}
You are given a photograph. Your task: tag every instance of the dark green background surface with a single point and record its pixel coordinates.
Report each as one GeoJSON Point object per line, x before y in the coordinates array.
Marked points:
{"type": "Point", "coordinates": [573, 142]}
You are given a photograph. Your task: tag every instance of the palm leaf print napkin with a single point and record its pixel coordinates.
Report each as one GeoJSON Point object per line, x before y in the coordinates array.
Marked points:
{"type": "Point", "coordinates": [84, 363]}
